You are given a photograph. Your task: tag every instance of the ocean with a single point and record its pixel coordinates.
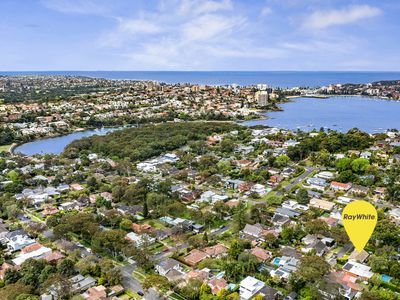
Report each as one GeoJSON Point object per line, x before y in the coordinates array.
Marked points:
{"type": "Point", "coordinates": [273, 78]}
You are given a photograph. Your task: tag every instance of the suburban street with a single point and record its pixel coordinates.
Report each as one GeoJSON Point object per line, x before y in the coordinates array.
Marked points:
{"type": "Point", "coordinates": [130, 283]}
{"type": "Point", "coordinates": [299, 179]}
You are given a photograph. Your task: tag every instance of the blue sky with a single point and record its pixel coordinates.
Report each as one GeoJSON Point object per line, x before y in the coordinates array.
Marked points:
{"type": "Point", "coordinates": [199, 35]}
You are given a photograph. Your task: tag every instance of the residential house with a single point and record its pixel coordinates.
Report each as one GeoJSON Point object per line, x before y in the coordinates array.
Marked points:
{"type": "Point", "coordinates": [80, 283]}
{"type": "Point", "coordinates": [258, 189]}
{"type": "Point", "coordinates": [293, 205]}
{"type": "Point", "coordinates": [76, 187]}
{"type": "Point", "coordinates": [327, 175]}
{"type": "Point", "coordinates": [253, 232]}
{"type": "Point", "coordinates": [321, 204]}
{"type": "Point", "coordinates": [201, 275]}
{"type": "Point", "coordinates": [286, 265]}
{"type": "Point", "coordinates": [274, 180]}
{"type": "Point", "coordinates": [261, 254]}
{"type": "Point", "coordinates": [195, 256]}
{"type": "Point", "coordinates": [287, 172]}
{"type": "Point", "coordinates": [216, 251]}
{"type": "Point", "coordinates": [359, 190]}
{"type": "Point", "coordinates": [360, 257]}
{"type": "Point", "coordinates": [344, 200]}
{"type": "Point", "coordinates": [359, 270]}
{"type": "Point", "coordinates": [317, 183]}
{"type": "Point", "coordinates": [280, 220]}
{"type": "Point", "coordinates": [96, 293]}
{"type": "Point", "coordinates": [395, 214]}
{"type": "Point", "coordinates": [171, 269]}
{"type": "Point", "coordinates": [250, 287]}
{"type": "Point", "coordinates": [16, 240]}
{"type": "Point", "coordinates": [338, 186]}
{"type": "Point", "coordinates": [34, 251]}
{"type": "Point", "coordinates": [287, 212]}
{"type": "Point", "coordinates": [141, 239]}
{"type": "Point", "coordinates": [166, 265]}
{"type": "Point", "coordinates": [315, 245]}
{"type": "Point", "coordinates": [217, 284]}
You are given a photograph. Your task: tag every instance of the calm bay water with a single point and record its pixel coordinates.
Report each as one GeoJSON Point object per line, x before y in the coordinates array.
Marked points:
{"type": "Point", "coordinates": [336, 113]}
{"type": "Point", "coordinates": [56, 145]}
{"type": "Point", "coordinates": [273, 78]}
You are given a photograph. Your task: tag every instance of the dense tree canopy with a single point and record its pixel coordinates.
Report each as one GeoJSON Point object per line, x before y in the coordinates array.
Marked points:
{"type": "Point", "coordinates": [149, 140]}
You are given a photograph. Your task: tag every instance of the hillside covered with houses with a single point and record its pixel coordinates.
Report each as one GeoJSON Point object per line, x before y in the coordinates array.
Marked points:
{"type": "Point", "coordinates": [231, 213]}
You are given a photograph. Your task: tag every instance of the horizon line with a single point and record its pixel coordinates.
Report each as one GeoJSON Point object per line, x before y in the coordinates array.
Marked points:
{"type": "Point", "coordinates": [332, 71]}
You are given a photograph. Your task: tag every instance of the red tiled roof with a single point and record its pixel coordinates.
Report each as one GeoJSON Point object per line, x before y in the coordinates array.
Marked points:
{"type": "Point", "coordinates": [31, 248]}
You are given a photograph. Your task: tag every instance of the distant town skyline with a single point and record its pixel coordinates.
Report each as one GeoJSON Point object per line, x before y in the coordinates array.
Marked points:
{"type": "Point", "coordinates": [191, 35]}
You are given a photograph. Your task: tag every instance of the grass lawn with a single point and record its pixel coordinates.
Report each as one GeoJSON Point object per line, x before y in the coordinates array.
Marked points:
{"type": "Point", "coordinates": [156, 224]}
{"type": "Point", "coordinates": [138, 275]}
{"type": "Point", "coordinates": [5, 148]}
{"type": "Point", "coordinates": [175, 296]}
{"type": "Point", "coordinates": [130, 295]}
{"type": "Point", "coordinates": [156, 247]}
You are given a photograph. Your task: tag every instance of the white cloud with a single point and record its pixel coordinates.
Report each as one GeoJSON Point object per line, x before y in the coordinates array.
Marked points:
{"type": "Point", "coordinates": [127, 30]}
{"type": "Point", "coordinates": [77, 6]}
{"type": "Point", "coordinates": [197, 7]}
{"type": "Point", "coordinates": [207, 27]}
{"type": "Point", "coordinates": [326, 18]}
{"type": "Point", "coordinates": [266, 10]}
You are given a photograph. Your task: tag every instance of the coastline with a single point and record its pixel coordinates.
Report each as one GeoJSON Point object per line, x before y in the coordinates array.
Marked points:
{"type": "Point", "coordinates": [77, 130]}
{"type": "Point", "coordinates": [320, 96]}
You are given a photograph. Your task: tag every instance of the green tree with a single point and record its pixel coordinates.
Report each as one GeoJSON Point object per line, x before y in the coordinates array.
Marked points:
{"type": "Point", "coordinates": [125, 224]}
{"type": "Point", "coordinates": [312, 268]}
{"type": "Point", "coordinates": [12, 291]}
{"type": "Point", "coordinates": [235, 249]}
{"type": "Point", "coordinates": [360, 165]}
{"type": "Point", "coordinates": [159, 282]}
{"type": "Point", "coordinates": [316, 226]}
{"type": "Point", "coordinates": [66, 267]}
{"type": "Point", "coordinates": [302, 196]}
{"type": "Point", "coordinates": [343, 164]}
{"type": "Point", "coordinates": [282, 160]}
{"type": "Point", "coordinates": [145, 209]}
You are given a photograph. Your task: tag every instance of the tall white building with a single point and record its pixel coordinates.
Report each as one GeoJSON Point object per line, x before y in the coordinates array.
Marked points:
{"type": "Point", "coordinates": [262, 86]}
{"type": "Point", "coordinates": [262, 98]}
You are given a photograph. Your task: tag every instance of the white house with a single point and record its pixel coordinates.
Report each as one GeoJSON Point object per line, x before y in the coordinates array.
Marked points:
{"type": "Point", "coordinates": [139, 240]}
{"type": "Point", "coordinates": [165, 266]}
{"type": "Point", "coordinates": [36, 254]}
{"type": "Point", "coordinates": [258, 189]}
{"type": "Point", "coordinates": [249, 287]}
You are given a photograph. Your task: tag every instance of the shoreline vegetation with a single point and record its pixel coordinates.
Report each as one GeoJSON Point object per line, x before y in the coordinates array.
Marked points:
{"type": "Point", "coordinates": [116, 103]}
{"type": "Point", "coordinates": [148, 141]}
{"type": "Point", "coordinates": [260, 114]}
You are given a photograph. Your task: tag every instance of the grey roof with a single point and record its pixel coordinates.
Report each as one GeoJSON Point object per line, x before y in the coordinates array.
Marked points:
{"type": "Point", "coordinates": [168, 264]}
{"type": "Point", "coordinates": [280, 219]}
{"type": "Point", "coordinates": [287, 212]}
{"type": "Point", "coordinates": [347, 266]}
{"type": "Point", "coordinates": [252, 230]}
{"type": "Point", "coordinates": [320, 246]}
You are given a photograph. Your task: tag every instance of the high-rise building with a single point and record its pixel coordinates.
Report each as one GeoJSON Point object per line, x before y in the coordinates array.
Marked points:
{"type": "Point", "coordinates": [262, 98]}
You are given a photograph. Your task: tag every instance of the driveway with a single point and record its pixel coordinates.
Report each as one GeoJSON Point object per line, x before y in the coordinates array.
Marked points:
{"type": "Point", "coordinates": [346, 248]}
{"type": "Point", "coordinates": [131, 283]}
{"type": "Point", "coordinates": [307, 172]}
{"type": "Point", "coordinates": [221, 230]}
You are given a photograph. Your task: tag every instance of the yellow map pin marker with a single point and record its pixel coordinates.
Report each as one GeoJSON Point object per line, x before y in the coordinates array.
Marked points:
{"type": "Point", "coordinates": [359, 219]}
